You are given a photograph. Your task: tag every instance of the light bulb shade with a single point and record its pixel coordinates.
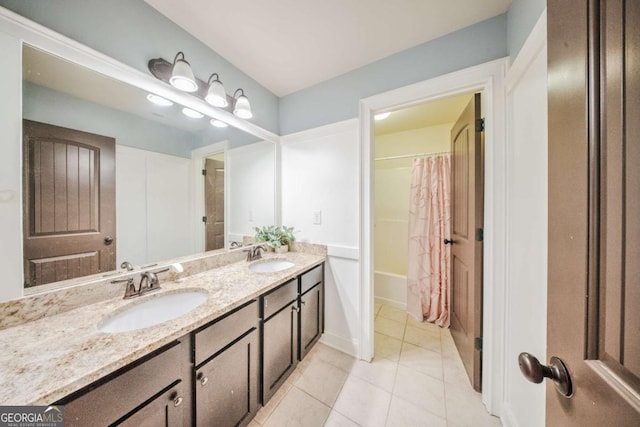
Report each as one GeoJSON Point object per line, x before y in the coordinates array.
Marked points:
{"type": "Point", "coordinates": [192, 113]}
{"type": "Point", "coordinates": [216, 94]}
{"type": "Point", "coordinates": [182, 76]}
{"type": "Point", "coordinates": [158, 100]}
{"type": "Point", "coordinates": [242, 108]}
{"type": "Point", "coordinates": [218, 123]}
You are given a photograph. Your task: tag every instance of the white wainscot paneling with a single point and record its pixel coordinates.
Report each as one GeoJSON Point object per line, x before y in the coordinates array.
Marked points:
{"type": "Point", "coordinates": [152, 192]}
{"type": "Point", "coordinates": [10, 169]}
{"type": "Point", "coordinates": [320, 174]}
{"type": "Point", "coordinates": [250, 173]}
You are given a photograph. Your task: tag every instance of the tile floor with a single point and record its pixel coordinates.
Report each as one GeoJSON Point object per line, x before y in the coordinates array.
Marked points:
{"type": "Point", "coordinates": [416, 379]}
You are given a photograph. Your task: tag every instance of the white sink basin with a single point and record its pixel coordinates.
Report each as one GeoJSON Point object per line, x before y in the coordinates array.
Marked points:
{"type": "Point", "coordinates": [153, 311]}
{"type": "Point", "coordinates": [270, 265]}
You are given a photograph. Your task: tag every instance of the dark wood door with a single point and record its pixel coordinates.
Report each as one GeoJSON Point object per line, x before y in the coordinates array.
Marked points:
{"type": "Point", "coordinates": [594, 210]}
{"type": "Point", "coordinates": [280, 349]}
{"type": "Point", "coordinates": [311, 317]}
{"type": "Point", "coordinates": [467, 189]}
{"type": "Point", "coordinates": [227, 392]}
{"type": "Point", "coordinates": [214, 204]}
{"type": "Point", "coordinates": [69, 203]}
{"type": "Point", "coordinates": [164, 410]}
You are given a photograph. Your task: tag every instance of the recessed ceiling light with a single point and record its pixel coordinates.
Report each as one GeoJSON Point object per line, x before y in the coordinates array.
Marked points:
{"type": "Point", "coordinates": [381, 116]}
{"type": "Point", "coordinates": [218, 123]}
{"type": "Point", "coordinates": [158, 100]}
{"type": "Point", "coordinates": [192, 113]}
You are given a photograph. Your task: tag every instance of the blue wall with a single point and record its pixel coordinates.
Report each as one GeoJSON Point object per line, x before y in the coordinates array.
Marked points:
{"type": "Point", "coordinates": [337, 99]}
{"type": "Point", "coordinates": [48, 106]}
{"type": "Point", "coordinates": [521, 18]}
{"type": "Point", "coordinates": [133, 32]}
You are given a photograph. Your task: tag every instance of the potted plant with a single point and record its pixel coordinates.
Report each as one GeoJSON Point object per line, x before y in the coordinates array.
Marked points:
{"type": "Point", "coordinates": [277, 238]}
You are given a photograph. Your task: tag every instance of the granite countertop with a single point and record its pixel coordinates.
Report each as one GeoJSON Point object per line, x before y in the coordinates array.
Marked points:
{"type": "Point", "coordinates": [44, 360]}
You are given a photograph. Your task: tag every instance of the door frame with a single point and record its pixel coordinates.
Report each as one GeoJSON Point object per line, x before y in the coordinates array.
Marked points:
{"type": "Point", "coordinates": [198, 157]}
{"type": "Point", "coordinates": [489, 78]}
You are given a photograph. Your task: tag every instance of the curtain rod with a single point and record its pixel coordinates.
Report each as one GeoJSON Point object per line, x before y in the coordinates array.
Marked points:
{"type": "Point", "coordinates": [412, 155]}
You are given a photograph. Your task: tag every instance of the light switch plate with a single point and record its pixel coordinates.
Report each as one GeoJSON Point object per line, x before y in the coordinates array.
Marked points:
{"type": "Point", "coordinates": [317, 217]}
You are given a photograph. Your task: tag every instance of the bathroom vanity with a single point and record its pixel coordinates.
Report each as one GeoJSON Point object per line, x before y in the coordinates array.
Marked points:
{"type": "Point", "coordinates": [215, 365]}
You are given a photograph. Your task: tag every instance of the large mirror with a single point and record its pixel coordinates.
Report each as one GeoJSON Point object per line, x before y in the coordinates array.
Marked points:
{"type": "Point", "coordinates": [109, 176]}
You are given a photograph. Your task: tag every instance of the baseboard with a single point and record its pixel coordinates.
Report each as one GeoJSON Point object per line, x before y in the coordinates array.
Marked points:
{"type": "Point", "coordinates": [506, 417]}
{"type": "Point", "coordinates": [393, 303]}
{"type": "Point", "coordinates": [345, 345]}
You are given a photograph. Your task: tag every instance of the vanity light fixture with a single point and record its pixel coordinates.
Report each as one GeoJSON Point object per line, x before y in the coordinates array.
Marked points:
{"type": "Point", "coordinates": [216, 95]}
{"type": "Point", "coordinates": [381, 116]}
{"type": "Point", "coordinates": [218, 123]}
{"type": "Point", "coordinates": [242, 108]}
{"type": "Point", "coordinates": [192, 113]}
{"type": "Point", "coordinates": [158, 100]}
{"type": "Point", "coordinates": [182, 76]}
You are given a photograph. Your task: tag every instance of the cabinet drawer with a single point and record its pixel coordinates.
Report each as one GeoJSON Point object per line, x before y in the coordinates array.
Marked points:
{"type": "Point", "coordinates": [109, 401]}
{"type": "Point", "coordinates": [311, 278]}
{"type": "Point", "coordinates": [217, 336]}
{"type": "Point", "coordinates": [278, 298]}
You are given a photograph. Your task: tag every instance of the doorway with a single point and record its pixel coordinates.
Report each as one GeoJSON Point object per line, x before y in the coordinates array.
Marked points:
{"type": "Point", "coordinates": [488, 78]}
{"type": "Point", "coordinates": [213, 174]}
{"type": "Point", "coordinates": [425, 203]}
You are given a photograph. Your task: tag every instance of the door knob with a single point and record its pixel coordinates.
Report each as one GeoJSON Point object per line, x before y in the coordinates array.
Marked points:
{"type": "Point", "coordinates": [557, 371]}
{"type": "Point", "coordinates": [108, 240]}
{"type": "Point", "coordinates": [448, 242]}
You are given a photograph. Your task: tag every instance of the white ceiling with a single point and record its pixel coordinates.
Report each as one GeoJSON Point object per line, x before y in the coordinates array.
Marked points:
{"type": "Point", "coordinates": [288, 45]}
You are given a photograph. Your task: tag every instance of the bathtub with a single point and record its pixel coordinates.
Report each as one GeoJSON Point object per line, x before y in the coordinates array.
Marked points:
{"type": "Point", "coordinates": [390, 289]}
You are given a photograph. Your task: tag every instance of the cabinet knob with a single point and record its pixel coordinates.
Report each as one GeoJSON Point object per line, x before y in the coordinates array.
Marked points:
{"type": "Point", "coordinates": [177, 401]}
{"type": "Point", "coordinates": [203, 380]}
{"type": "Point", "coordinates": [303, 302]}
{"type": "Point", "coordinates": [294, 308]}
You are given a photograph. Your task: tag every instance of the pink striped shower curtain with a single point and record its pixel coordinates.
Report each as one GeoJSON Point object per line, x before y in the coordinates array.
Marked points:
{"type": "Point", "coordinates": [429, 225]}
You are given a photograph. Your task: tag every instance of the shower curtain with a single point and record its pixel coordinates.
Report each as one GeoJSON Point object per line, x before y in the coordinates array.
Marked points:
{"type": "Point", "coordinates": [429, 225]}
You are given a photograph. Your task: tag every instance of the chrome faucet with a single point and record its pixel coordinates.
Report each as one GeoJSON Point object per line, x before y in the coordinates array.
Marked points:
{"type": "Point", "coordinates": [254, 253]}
{"type": "Point", "coordinates": [127, 265]}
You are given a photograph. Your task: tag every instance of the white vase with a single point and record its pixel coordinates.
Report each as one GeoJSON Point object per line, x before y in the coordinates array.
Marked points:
{"type": "Point", "coordinates": [282, 249]}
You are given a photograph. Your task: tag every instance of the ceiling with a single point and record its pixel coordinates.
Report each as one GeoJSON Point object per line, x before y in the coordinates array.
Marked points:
{"type": "Point", "coordinates": [52, 72]}
{"type": "Point", "coordinates": [288, 45]}
{"type": "Point", "coordinates": [433, 113]}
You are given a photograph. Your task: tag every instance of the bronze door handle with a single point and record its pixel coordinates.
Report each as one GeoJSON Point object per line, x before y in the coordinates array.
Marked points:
{"type": "Point", "coordinates": [557, 371]}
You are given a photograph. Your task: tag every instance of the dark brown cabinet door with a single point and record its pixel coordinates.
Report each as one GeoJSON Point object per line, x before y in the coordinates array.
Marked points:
{"type": "Point", "coordinates": [69, 203]}
{"type": "Point", "coordinates": [466, 248]}
{"type": "Point", "coordinates": [165, 410]}
{"type": "Point", "coordinates": [280, 348]}
{"type": "Point", "coordinates": [227, 391]}
{"type": "Point", "coordinates": [594, 210]}
{"type": "Point", "coordinates": [311, 317]}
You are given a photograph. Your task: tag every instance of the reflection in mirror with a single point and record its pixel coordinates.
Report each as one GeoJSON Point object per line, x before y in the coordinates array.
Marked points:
{"type": "Point", "coordinates": [109, 176]}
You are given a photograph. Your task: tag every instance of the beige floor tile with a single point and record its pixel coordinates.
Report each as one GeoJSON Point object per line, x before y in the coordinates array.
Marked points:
{"type": "Point", "coordinates": [453, 371]}
{"type": "Point", "coordinates": [420, 389]}
{"type": "Point", "coordinates": [421, 360]}
{"type": "Point", "coordinates": [376, 308]}
{"type": "Point", "coordinates": [425, 325]}
{"type": "Point", "coordinates": [406, 414]}
{"type": "Point", "coordinates": [465, 408]}
{"type": "Point", "coordinates": [296, 409]}
{"type": "Point", "coordinates": [253, 423]}
{"type": "Point", "coordinates": [264, 412]}
{"type": "Point", "coordinates": [322, 381]}
{"type": "Point", "coordinates": [380, 372]}
{"type": "Point", "coordinates": [386, 347]}
{"type": "Point", "coordinates": [393, 313]}
{"type": "Point", "coordinates": [336, 419]}
{"type": "Point", "coordinates": [331, 356]}
{"type": "Point", "coordinates": [424, 338]}
{"type": "Point", "coordinates": [389, 327]}
{"type": "Point", "coordinates": [363, 403]}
